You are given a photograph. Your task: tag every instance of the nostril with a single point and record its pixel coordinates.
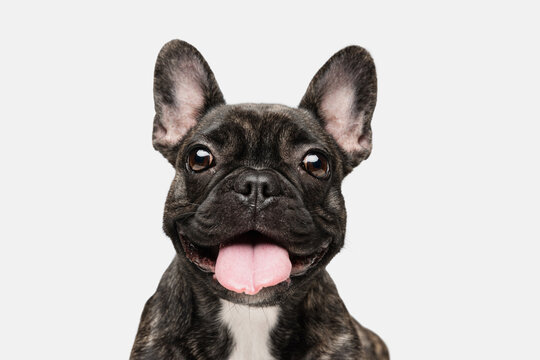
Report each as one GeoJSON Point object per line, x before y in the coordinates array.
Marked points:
{"type": "Point", "coordinates": [243, 187]}
{"type": "Point", "coordinates": [264, 190]}
{"type": "Point", "coordinates": [269, 188]}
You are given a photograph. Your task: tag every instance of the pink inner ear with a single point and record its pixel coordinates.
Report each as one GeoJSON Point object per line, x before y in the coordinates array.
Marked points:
{"type": "Point", "coordinates": [177, 119]}
{"type": "Point", "coordinates": [337, 109]}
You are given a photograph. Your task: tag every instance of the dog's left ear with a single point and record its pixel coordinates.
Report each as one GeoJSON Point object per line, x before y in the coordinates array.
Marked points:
{"type": "Point", "coordinates": [184, 90]}
{"type": "Point", "coordinates": [343, 94]}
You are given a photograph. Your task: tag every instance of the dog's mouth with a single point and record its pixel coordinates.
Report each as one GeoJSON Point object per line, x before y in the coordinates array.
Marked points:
{"type": "Point", "coordinates": [248, 262]}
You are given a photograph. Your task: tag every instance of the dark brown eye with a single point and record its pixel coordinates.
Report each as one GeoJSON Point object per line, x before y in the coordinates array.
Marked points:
{"type": "Point", "coordinates": [200, 159]}
{"type": "Point", "coordinates": [316, 164]}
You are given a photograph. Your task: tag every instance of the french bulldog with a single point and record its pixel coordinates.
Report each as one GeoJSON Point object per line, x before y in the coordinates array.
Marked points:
{"type": "Point", "coordinates": [255, 213]}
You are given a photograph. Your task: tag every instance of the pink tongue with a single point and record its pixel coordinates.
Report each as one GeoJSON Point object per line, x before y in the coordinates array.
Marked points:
{"type": "Point", "coordinates": [247, 267]}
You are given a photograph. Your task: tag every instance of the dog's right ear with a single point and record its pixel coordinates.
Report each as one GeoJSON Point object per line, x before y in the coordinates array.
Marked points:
{"type": "Point", "coordinates": [184, 90]}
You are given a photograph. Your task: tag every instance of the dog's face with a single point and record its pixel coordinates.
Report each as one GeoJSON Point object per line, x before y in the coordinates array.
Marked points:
{"type": "Point", "coordinates": [256, 204]}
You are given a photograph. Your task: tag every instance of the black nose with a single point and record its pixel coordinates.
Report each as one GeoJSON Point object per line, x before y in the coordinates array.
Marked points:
{"type": "Point", "coordinates": [257, 186]}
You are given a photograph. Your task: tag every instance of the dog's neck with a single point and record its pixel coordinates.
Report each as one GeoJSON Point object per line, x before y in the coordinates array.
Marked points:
{"type": "Point", "coordinates": [250, 328]}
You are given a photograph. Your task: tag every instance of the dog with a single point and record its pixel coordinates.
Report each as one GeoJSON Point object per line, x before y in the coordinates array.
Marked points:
{"type": "Point", "coordinates": [255, 213]}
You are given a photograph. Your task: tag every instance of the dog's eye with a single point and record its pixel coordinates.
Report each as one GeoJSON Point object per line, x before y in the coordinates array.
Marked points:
{"type": "Point", "coordinates": [200, 159]}
{"type": "Point", "coordinates": [316, 164]}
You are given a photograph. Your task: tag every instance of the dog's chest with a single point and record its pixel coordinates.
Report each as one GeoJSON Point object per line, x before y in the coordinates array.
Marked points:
{"type": "Point", "coordinates": [250, 328]}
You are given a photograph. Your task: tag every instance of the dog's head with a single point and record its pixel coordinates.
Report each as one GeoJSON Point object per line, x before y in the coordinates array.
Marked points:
{"type": "Point", "coordinates": [256, 204]}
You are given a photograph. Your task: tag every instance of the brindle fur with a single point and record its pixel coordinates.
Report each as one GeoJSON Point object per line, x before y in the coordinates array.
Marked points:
{"type": "Point", "coordinates": [182, 319]}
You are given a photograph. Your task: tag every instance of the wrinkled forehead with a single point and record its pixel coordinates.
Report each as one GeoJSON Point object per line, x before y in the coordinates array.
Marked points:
{"type": "Point", "coordinates": [258, 129]}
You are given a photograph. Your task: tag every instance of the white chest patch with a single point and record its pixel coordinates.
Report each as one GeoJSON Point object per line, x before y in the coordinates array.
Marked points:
{"type": "Point", "coordinates": [250, 328]}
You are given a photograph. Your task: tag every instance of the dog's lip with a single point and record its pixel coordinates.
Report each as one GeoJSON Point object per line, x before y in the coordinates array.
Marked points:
{"type": "Point", "coordinates": [198, 256]}
{"type": "Point", "coordinates": [301, 264]}
{"type": "Point", "coordinates": [204, 257]}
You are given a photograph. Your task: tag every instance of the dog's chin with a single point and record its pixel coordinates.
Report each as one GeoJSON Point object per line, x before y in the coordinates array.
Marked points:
{"type": "Point", "coordinates": [265, 297]}
{"type": "Point", "coordinates": [203, 259]}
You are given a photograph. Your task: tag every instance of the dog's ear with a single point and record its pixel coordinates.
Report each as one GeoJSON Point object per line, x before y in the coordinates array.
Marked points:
{"type": "Point", "coordinates": [343, 94]}
{"type": "Point", "coordinates": [184, 90]}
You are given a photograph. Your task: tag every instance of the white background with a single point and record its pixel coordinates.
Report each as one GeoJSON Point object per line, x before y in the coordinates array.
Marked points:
{"type": "Point", "coordinates": [442, 254]}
